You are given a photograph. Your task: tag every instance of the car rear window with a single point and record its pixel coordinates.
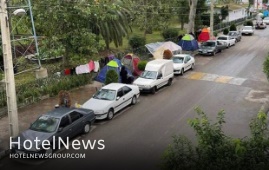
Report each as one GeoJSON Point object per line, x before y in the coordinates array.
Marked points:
{"type": "Point", "coordinates": [222, 38]}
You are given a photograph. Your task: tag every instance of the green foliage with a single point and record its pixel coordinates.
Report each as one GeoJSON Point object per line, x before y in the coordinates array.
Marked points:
{"type": "Point", "coordinates": [248, 23]}
{"type": "Point", "coordinates": [111, 77]}
{"type": "Point", "coordinates": [137, 41]}
{"type": "Point", "coordinates": [205, 17]}
{"type": "Point", "coordinates": [34, 90]}
{"type": "Point", "coordinates": [170, 34]}
{"type": "Point", "coordinates": [181, 12]}
{"type": "Point", "coordinates": [233, 27]}
{"type": "Point", "coordinates": [225, 31]}
{"type": "Point", "coordinates": [266, 67]}
{"type": "Point", "coordinates": [215, 150]}
{"type": "Point", "coordinates": [141, 65]}
{"type": "Point", "coordinates": [224, 12]}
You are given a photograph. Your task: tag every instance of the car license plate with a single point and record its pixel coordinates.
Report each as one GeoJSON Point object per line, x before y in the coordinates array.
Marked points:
{"type": "Point", "coordinates": [204, 52]}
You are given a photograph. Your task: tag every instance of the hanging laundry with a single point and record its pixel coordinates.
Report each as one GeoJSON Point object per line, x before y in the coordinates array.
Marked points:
{"type": "Point", "coordinates": [67, 71]}
{"type": "Point", "coordinates": [91, 66]}
{"type": "Point", "coordinates": [82, 69]}
{"type": "Point", "coordinates": [96, 66]}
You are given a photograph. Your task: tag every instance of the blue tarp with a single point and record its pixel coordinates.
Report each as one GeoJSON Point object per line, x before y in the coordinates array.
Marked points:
{"type": "Point", "coordinates": [265, 13]}
{"type": "Point", "coordinates": [101, 77]}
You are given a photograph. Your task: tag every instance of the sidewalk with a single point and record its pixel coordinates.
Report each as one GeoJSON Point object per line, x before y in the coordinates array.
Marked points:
{"type": "Point", "coordinates": [29, 114]}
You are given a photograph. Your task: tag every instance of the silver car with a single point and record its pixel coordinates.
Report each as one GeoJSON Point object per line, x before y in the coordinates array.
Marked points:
{"type": "Point", "coordinates": [248, 30]}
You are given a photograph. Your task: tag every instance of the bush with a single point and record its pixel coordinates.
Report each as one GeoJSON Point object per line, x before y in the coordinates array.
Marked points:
{"type": "Point", "coordinates": [170, 34]}
{"type": "Point", "coordinates": [248, 23]}
{"type": "Point", "coordinates": [225, 31]}
{"type": "Point", "coordinates": [141, 65]}
{"type": "Point", "coordinates": [137, 41]}
{"type": "Point", "coordinates": [111, 77]}
{"type": "Point", "coordinates": [233, 27]}
{"type": "Point", "coordinates": [266, 67]}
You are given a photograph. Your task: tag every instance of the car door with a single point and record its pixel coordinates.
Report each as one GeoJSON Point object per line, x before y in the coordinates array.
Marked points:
{"type": "Point", "coordinates": [64, 129]}
{"type": "Point", "coordinates": [77, 123]}
{"type": "Point", "coordinates": [187, 63]}
{"type": "Point", "coordinates": [128, 95]}
{"type": "Point", "coordinates": [119, 102]}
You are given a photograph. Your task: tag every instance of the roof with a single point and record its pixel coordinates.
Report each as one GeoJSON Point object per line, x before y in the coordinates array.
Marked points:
{"type": "Point", "coordinates": [114, 86]}
{"type": "Point", "coordinates": [62, 111]}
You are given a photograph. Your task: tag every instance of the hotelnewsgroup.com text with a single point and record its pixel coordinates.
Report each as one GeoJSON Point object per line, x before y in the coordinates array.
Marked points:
{"type": "Point", "coordinates": [47, 155]}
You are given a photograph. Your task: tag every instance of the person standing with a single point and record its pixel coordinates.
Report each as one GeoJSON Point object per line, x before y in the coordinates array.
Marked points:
{"type": "Point", "coordinates": [124, 75]}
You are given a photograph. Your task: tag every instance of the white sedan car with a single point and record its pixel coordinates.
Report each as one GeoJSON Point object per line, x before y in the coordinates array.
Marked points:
{"type": "Point", "coordinates": [226, 39]}
{"type": "Point", "coordinates": [247, 30]}
{"type": "Point", "coordinates": [111, 99]}
{"type": "Point", "coordinates": [182, 63]}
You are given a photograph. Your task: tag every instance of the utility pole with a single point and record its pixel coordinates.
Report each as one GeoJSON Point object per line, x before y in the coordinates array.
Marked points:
{"type": "Point", "coordinates": [211, 19]}
{"type": "Point", "coordinates": [9, 72]}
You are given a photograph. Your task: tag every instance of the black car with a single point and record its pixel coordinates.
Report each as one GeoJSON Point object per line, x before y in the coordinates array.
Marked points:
{"type": "Point", "coordinates": [59, 124]}
{"type": "Point", "coordinates": [235, 35]}
{"type": "Point", "coordinates": [211, 47]}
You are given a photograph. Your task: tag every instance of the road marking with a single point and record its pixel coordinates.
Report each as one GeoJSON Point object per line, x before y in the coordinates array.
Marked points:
{"type": "Point", "coordinates": [223, 79]}
{"type": "Point", "coordinates": [215, 78]}
{"type": "Point", "coordinates": [196, 76]}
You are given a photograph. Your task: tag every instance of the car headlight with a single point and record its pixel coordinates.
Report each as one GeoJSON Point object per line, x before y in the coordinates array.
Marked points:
{"type": "Point", "coordinates": [98, 112]}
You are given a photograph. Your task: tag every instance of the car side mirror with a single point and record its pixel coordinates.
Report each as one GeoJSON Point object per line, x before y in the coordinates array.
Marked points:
{"type": "Point", "coordinates": [118, 97]}
{"type": "Point", "coordinates": [185, 62]}
{"type": "Point", "coordinates": [60, 129]}
{"type": "Point", "coordinates": [159, 76]}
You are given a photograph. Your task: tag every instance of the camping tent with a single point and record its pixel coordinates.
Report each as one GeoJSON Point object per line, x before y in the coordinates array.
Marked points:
{"type": "Point", "coordinates": [131, 62]}
{"type": "Point", "coordinates": [114, 64]}
{"type": "Point", "coordinates": [204, 35]}
{"type": "Point", "coordinates": [188, 43]}
{"type": "Point", "coordinates": [161, 47]}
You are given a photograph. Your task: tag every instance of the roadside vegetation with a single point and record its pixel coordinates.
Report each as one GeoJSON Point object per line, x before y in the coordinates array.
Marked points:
{"type": "Point", "coordinates": [217, 150]}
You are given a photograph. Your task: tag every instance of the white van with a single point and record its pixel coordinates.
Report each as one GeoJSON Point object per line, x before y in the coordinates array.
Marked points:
{"type": "Point", "coordinates": [157, 73]}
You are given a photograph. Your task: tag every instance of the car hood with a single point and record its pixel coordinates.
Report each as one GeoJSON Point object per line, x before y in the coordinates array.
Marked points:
{"type": "Point", "coordinates": [143, 81]}
{"type": "Point", "coordinates": [96, 104]}
{"type": "Point", "coordinates": [32, 135]}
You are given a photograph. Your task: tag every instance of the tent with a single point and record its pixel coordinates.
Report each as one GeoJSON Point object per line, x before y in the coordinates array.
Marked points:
{"type": "Point", "coordinates": [188, 43]}
{"type": "Point", "coordinates": [161, 47]}
{"type": "Point", "coordinates": [114, 64]}
{"type": "Point", "coordinates": [130, 61]}
{"type": "Point", "coordinates": [204, 35]}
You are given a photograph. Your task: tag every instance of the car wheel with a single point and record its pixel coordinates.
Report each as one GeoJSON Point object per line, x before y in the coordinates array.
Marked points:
{"type": "Point", "coordinates": [182, 71]}
{"type": "Point", "coordinates": [110, 114]}
{"type": "Point", "coordinates": [134, 100]}
{"type": "Point", "coordinates": [169, 82]}
{"type": "Point", "coordinates": [220, 51]}
{"type": "Point", "coordinates": [214, 53]}
{"type": "Point", "coordinates": [49, 151]}
{"type": "Point", "coordinates": [192, 66]}
{"type": "Point", "coordinates": [153, 90]}
{"type": "Point", "coordinates": [87, 128]}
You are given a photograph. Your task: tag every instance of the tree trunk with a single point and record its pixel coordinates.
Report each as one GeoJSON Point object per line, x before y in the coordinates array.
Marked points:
{"type": "Point", "coordinates": [192, 15]}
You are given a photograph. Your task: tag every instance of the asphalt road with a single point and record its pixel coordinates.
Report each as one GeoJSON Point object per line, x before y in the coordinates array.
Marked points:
{"type": "Point", "coordinates": [136, 138]}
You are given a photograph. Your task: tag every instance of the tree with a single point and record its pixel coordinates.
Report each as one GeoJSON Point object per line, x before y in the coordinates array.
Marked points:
{"type": "Point", "coordinates": [182, 12]}
{"type": "Point", "coordinates": [193, 5]}
{"type": "Point", "coordinates": [111, 77]}
{"type": "Point", "coordinates": [215, 150]}
{"type": "Point", "coordinates": [266, 67]}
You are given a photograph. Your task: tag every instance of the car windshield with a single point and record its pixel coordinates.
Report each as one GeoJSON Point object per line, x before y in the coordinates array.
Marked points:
{"type": "Point", "coordinates": [149, 74]}
{"type": "Point", "coordinates": [266, 18]}
{"type": "Point", "coordinates": [105, 94]}
{"type": "Point", "coordinates": [222, 38]}
{"type": "Point", "coordinates": [45, 123]}
{"type": "Point", "coordinates": [209, 44]}
{"type": "Point", "coordinates": [178, 59]}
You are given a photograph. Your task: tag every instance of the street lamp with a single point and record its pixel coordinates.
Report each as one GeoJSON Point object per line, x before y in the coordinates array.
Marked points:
{"type": "Point", "coordinates": [9, 72]}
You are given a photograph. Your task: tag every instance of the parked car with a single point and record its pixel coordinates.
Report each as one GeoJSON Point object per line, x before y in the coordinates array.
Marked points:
{"type": "Point", "coordinates": [182, 63]}
{"type": "Point", "coordinates": [157, 74]}
{"type": "Point", "coordinates": [266, 20]}
{"type": "Point", "coordinates": [248, 30]}
{"type": "Point", "coordinates": [61, 123]}
{"type": "Point", "coordinates": [235, 35]}
{"type": "Point", "coordinates": [211, 47]}
{"type": "Point", "coordinates": [226, 39]}
{"type": "Point", "coordinates": [260, 25]}
{"type": "Point", "coordinates": [112, 98]}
